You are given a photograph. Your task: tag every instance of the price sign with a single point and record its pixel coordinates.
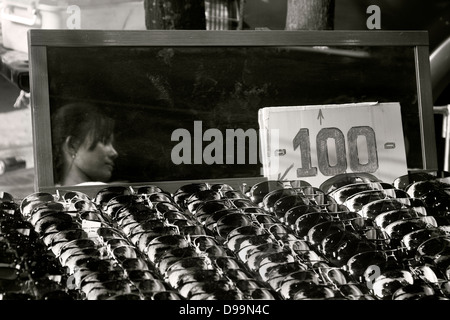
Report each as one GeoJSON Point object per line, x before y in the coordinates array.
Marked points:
{"type": "Point", "coordinates": [314, 143]}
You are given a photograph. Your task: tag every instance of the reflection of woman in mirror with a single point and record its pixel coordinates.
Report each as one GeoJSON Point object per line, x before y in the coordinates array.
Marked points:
{"type": "Point", "coordinates": [83, 150]}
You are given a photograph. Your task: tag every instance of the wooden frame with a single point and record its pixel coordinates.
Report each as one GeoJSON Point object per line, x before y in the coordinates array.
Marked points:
{"type": "Point", "coordinates": [336, 42]}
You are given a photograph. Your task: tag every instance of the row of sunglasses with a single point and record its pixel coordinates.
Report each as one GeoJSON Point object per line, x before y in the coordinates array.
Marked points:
{"type": "Point", "coordinates": [87, 259]}
{"type": "Point", "coordinates": [353, 237]}
{"type": "Point", "coordinates": [186, 252]}
{"type": "Point", "coordinates": [391, 237]}
{"type": "Point", "coordinates": [115, 252]}
{"type": "Point", "coordinates": [28, 271]}
{"type": "Point", "coordinates": [255, 244]}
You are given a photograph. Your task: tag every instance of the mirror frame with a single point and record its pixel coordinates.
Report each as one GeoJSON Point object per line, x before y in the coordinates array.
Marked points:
{"type": "Point", "coordinates": [40, 40]}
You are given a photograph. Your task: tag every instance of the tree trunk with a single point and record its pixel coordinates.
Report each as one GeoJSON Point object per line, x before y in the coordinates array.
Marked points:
{"type": "Point", "coordinates": [310, 15]}
{"type": "Point", "coordinates": [175, 14]}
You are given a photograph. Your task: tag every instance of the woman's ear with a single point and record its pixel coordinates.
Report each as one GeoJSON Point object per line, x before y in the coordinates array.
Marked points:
{"type": "Point", "coordinates": [70, 146]}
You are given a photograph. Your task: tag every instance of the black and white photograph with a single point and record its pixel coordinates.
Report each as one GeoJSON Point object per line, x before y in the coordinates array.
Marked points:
{"type": "Point", "coordinates": [230, 157]}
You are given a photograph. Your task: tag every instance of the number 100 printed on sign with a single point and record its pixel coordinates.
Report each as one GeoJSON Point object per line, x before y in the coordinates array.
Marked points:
{"type": "Point", "coordinates": [313, 143]}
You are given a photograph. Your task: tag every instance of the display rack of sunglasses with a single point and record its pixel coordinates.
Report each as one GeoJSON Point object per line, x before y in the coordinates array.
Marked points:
{"type": "Point", "coordinates": [354, 237]}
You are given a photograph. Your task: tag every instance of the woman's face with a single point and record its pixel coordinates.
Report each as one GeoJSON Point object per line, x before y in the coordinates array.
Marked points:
{"type": "Point", "coordinates": [96, 164]}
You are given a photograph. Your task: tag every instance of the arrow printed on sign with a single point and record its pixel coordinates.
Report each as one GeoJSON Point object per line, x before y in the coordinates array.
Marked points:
{"type": "Point", "coordinates": [320, 117]}
{"type": "Point", "coordinates": [281, 177]}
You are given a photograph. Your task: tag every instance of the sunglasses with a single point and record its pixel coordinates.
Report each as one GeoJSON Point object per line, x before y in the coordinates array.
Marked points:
{"type": "Point", "coordinates": [374, 208]}
{"type": "Point", "coordinates": [411, 241]}
{"type": "Point", "coordinates": [163, 295]}
{"type": "Point", "coordinates": [71, 196]}
{"type": "Point", "coordinates": [74, 246]}
{"type": "Point", "coordinates": [33, 200]}
{"type": "Point", "coordinates": [148, 189]}
{"type": "Point", "coordinates": [332, 278]}
{"type": "Point", "coordinates": [404, 181]}
{"type": "Point", "coordinates": [123, 252]}
{"type": "Point", "coordinates": [235, 194]}
{"type": "Point", "coordinates": [211, 211]}
{"type": "Point", "coordinates": [240, 234]}
{"type": "Point", "coordinates": [103, 290]}
{"type": "Point", "coordinates": [42, 210]}
{"type": "Point", "coordinates": [415, 291]}
{"type": "Point", "coordinates": [437, 202]}
{"type": "Point", "coordinates": [259, 190]}
{"type": "Point", "coordinates": [92, 219]}
{"type": "Point", "coordinates": [149, 286]}
{"type": "Point", "coordinates": [360, 266]}
{"type": "Point", "coordinates": [385, 285]}
{"type": "Point", "coordinates": [418, 189]}
{"type": "Point", "coordinates": [343, 193]}
{"type": "Point", "coordinates": [269, 200]}
{"type": "Point", "coordinates": [256, 243]}
{"type": "Point", "coordinates": [154, 198]}
{"type": "Point", "coordinates": [191, 269]}
{"type": "Point", "coordinates": [282, 205]}
{"type": "Point", "coordinates": [135, 212]}
{"type": "Point", "coordinates": [266, 264]}
{"type": "Point", "coordinates": [193, 201]}
{"type": "Point", "coordinates": [55, 240]}
{"type": "Point", "coordinates": [138, 263]}
{"type": "Point", "coordinates": [194, 288]}
{"type": "Point", "coordinates": [118, 202]}
{"type": "Point", "coordinates": [434, 250]}
{"type": "Point", "coordinates": [398, 229]}
{"type": "Point", "coordinates": [358, 200]}
{"type": "Point", "coordinates": [228, 221]}
{"type": "Point", "coordinates": [340, 245]}
{"type": "Point", "coordinates": [285, 285]}
{"type": "Point", "coordinates": [217, 254]}
{"type": "Point", "coordinates": [294, 213]}
{"type": "Point", "coordinates": [305, 222]}
{"type": "Point", "coordinates": [164, 206]}
{"type": "Point", "coordinates": [186, 191]}
{"type": "Point", "coordinates": [343, 179]}
{"type": "Point", "coordinates": [388, 217]}
{"type": "Point", "coordinates": [52, 220]}
{"type": "Point", "coordinates": [280, 199]}
{"type": "Point", "coordinates": [105, 194]}
{"type": "Point", "coordinates": [8, 205]}
{"type": "Point", "coordinates": [174, 255]}
{"type": "Point", "coordinates": [218, 294]}
{"type": "Point", "coordinates": [156, 248]}
{"type": "Point", "coordinates": [258, 256]}
{"type": "Point", "coordinates": [138, 275]}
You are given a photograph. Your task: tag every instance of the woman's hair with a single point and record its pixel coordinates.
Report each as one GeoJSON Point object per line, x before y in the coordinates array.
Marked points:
{"type": "Point", "coordinates": [78, 120]}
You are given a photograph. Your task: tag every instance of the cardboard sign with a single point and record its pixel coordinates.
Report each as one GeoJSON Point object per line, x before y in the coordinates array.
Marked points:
{"type": "Point", "coordinates": [314, 143]}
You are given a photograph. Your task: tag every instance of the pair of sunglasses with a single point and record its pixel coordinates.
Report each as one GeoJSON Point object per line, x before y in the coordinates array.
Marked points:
{"type": "Point", "coordinates": [340, 245]}
{"type": "Point", "coordinates": [103, 195]}
{"type": "Point", "coordinates": [436, 251]}
{"type": "Point", "coordinates": [342, 194]}
{"type": "Point", "coordinates": [8, 205]}
{"type": "Point", "coordinates": [343, 179]}
{"type": "Point", "coordinates": [358, 200]}
{"type": "Point", "coordinates": [404, 181]}
{"type": "Point", "coordinates": [374, 208]}
{"type": "Point", "coordinates": [183, 193]}
{"type": "Point", "coordinates": [363, 265]}
{"type": "Point", "coordinates": [411, 241]}
{"type": "Point", "coordinates": [294, 286]}
{"type": "Point", "coordinates": [420, 188]}
{"type": "Point", "coordinates": [388, 217]}
{"type": "Point", "coordinates": [258, 191]}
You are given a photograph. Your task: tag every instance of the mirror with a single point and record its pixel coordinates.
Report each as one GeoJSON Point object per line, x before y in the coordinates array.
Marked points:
{"type": "Point", "coordinates": [185, 104]}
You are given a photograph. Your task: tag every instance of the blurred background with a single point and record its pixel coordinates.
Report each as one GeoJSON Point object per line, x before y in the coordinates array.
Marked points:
{"type": "Point", "coordinates": [16, 142]}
